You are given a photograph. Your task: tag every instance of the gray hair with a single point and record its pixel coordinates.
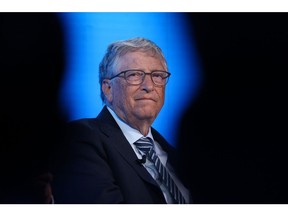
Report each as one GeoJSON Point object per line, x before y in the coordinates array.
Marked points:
{"type": "Point", "coordinates": [117, 49]}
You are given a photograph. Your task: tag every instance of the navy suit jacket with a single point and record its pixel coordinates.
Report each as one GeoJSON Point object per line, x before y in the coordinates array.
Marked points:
{"type": "Point", "coordinates": [98, 165]}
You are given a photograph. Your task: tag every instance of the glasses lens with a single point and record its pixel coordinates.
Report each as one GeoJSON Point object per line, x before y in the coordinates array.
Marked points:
{"type": "Point", "coordinates": [159, 77]}
{"type": "Point", "coordinates": [134, 76]}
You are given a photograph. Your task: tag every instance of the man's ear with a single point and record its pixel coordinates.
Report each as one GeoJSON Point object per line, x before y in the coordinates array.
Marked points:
{"type": "Point", "coordinates": [107, 90]}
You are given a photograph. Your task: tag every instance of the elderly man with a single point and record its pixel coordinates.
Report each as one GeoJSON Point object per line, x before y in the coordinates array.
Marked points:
{"type": "Point", "coordinates": [118, 157]}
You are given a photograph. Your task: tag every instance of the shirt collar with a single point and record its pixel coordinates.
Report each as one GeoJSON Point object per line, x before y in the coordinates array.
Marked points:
{"type": "Point", "coordinates": [131, 134]}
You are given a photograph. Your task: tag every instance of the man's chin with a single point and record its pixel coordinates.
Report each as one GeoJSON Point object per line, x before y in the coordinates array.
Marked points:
{"type": "Point", "coordinates": [150, 116]}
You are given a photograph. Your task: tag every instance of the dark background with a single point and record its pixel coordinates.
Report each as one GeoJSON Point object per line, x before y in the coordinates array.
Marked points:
{"type": "Point", "coordinates": [31, 63]}
{"type": "Point", "coordinates": [233, 137]}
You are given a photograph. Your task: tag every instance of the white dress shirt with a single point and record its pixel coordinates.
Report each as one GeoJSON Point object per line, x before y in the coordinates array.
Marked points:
{"type": "Point", "coordinates": [132, 135]}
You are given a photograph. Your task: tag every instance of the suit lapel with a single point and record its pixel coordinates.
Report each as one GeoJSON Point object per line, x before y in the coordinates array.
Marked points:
{"type": "Point", "coordinates": [116, 138]}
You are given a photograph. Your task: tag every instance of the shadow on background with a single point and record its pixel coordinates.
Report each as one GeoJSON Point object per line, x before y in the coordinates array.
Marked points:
{"type": "Point", "coordinates": [234, 136]}
{"type": "Point", "coordinates": [32, 63]}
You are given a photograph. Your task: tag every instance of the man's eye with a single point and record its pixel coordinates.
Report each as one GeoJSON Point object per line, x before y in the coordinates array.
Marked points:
{"type": "Point", "coordinates": [158, 75]}
{"type": "Point", "coordinates": [134, 74]}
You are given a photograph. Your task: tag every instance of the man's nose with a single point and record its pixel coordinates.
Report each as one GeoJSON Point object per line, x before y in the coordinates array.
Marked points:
{"type": "Point", "coordinates": [147, 83]}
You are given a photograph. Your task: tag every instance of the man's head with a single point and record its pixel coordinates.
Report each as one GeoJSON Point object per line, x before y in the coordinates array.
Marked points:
{"type": "Point", "coordinates": [133, 75]}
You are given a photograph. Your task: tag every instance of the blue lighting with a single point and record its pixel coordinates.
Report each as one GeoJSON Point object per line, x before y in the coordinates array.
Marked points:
{"type": "Point", "coordinates": [87, 36]}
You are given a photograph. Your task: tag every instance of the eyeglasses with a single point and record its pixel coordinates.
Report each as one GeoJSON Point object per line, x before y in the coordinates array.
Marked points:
{"type": "Point", "coordinates": [136, 77]}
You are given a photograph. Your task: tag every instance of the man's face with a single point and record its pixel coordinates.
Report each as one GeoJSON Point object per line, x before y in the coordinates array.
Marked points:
{"type": "Point", "coordinates": [136, 103]}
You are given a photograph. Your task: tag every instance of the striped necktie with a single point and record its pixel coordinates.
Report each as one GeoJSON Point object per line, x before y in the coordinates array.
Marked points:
{"type": "Point", "coordinates": [145, 145]}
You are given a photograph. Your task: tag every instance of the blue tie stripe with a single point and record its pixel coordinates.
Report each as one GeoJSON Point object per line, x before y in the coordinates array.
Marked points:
{"type": "Point", "coordinates": [145, 145]}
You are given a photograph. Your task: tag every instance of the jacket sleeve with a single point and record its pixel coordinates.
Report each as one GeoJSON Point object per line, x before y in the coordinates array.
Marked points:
{"type": "Point", "coordinates": [82, 173]}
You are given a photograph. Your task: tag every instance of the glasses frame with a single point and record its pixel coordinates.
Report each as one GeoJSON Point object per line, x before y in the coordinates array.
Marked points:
{"type": "Point", "coordinates": [155, 71]}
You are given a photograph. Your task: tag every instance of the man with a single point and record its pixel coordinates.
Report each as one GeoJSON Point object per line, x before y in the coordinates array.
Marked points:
{"type": "Point", "coordinates": [106, 160]}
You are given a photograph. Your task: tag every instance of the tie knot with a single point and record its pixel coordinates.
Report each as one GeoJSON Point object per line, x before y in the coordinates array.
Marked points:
{"type": "Point", "coordinates": [144, 144]}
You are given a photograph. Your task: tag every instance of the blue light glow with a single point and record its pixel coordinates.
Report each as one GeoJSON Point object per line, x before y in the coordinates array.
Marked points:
{"type": "Point", "coordinates": [87, 36]}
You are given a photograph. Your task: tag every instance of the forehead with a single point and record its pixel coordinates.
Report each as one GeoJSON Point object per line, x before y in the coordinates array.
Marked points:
{"type": "Point", "coordinates": [140, 60]}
